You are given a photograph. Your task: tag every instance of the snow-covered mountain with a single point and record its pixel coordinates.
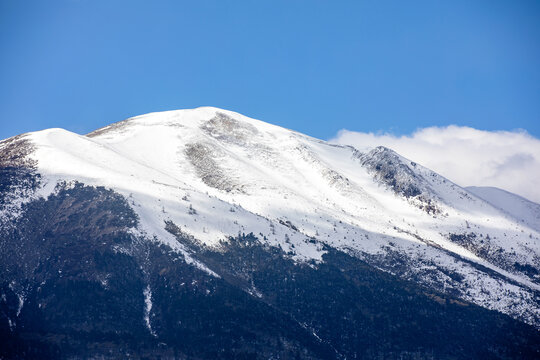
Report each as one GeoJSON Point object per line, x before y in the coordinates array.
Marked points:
{"type": "Point", "coordinates": [198, 180]}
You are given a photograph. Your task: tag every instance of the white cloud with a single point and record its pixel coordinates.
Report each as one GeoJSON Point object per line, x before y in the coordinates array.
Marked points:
{"type": "Point", "coordinates": [509, 160]}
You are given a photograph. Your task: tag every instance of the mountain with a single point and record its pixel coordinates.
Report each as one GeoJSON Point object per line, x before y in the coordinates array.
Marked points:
{"type": "Point", "coordinates": [206, 234]}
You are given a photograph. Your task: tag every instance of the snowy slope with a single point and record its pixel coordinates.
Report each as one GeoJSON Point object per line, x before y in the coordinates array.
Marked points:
{"type": "Point", "coordinates": [525, 211]}
{"type": "Point", "coordinates": [216, 173]}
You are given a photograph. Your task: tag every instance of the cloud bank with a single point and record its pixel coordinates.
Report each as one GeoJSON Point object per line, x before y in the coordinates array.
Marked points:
{"type": "Point", "coordinates": [509, 160]}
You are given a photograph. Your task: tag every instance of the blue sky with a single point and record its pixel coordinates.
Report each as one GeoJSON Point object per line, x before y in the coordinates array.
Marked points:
{"type": "Point", "coordinates": [313, 66]}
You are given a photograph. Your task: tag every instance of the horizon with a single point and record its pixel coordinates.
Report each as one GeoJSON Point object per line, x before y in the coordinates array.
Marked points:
{"type": "Point", "coordinates": [380, 132]}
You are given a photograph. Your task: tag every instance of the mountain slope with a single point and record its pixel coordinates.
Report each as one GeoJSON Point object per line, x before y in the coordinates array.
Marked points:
{"type": "Point", "coordinates": [240, 207]}
{"type": "Point", "coordinates": [521, 209]}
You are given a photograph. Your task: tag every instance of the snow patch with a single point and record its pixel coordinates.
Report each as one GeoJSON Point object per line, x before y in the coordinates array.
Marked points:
{"type": "Point", "coordinates": [148, 308]}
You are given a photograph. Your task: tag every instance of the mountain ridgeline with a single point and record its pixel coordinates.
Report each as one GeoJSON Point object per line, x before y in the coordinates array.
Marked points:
{"type": "Point", "coordinates": [204, 234]}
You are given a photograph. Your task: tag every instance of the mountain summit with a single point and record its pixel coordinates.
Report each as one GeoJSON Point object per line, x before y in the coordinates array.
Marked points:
{"type": "Point", "coordinates": [203, 233]}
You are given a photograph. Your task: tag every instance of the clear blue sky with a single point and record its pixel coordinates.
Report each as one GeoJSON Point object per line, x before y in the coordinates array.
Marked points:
{"type": "Point", "coordinates": [313, 66]}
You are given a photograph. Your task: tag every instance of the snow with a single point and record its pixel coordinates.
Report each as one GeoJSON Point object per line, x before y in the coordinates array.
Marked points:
{"type": "Point", "coordinates": [216, 174]}
{"type": "Point", "coordinates": [521, 209]}
{"type": "Point", "coordinates": [148, 308]}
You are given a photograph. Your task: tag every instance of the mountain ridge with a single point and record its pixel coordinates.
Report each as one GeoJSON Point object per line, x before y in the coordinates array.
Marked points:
{"type": "Point", "coordinates": [199, 180]}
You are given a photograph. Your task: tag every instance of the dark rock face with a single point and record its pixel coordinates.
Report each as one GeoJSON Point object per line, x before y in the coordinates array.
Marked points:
{"type": "Point", "coordinates": [75, 283]}
{"type": "Point", "coordinates": [387, 167]}
{"type": "Point", "coordinates": [18, 175]}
